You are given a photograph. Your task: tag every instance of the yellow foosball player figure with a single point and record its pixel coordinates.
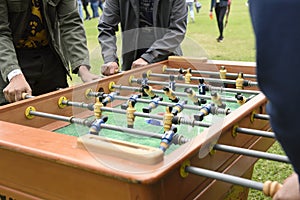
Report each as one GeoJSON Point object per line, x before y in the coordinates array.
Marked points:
{"type": "Point", "coordinates": [168, 117]}
{"type": "Point", "coordinates": [192, 95]}
{"type": "Point", "coordinates": [188, 76]}
{"type": "Point", "coordinates": [169, 92]}
{"type": "Point", "coordinates": [240, 81]}
{"type": "Point", "coordinates": [130, 114]}
{"type": "Point", "coordinates": [97, 108]}
{"type": "Point", "coordinates": [223, 72]}
{"type": "Point", "coordinates": [216, 99]}
{"type": "Point", "coordinates": [148, 90]}
{"type": "Point", "coordinates": [241, 99]}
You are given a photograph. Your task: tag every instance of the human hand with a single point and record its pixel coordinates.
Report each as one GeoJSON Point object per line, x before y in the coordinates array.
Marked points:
{"type": "Point", "coordinates": [290, 189]}
{"type": "Point", "coordinates": [109, 68]}
{"type": "Point", "coordinates": [210, 15]}
{"type": "Point", "coordinates": [16, 87]}
{"type": "Point", "coordinates": [139, 62]}
{"type": "Point", "coordinates": [85, 74]}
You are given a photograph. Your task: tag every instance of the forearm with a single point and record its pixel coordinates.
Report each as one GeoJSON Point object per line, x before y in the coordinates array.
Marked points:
{"type": "Point", "coordinates": [8, 58]}
{"type": "Point", "coordinates": [73, 38]}
{"type": "Point", "coordinates": [107, 27]}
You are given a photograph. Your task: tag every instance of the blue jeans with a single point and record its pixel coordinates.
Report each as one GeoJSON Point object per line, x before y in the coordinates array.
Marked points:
{"type": "Point", "coordinates": [94, 6]}
{"type": "Point", "coordinates": [191, 10]}
{"type": "Point", "coordinates": [80, 9]}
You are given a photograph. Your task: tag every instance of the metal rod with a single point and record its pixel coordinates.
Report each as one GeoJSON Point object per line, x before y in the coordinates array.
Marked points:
{"type": "Point", "coordinates": [253, 153]}
{"type": "Point", "coordinates": [225, 177]}
{"type": "Point", "coordinates": [256, 132]}
{"type": "Point", "coordinates": [89, 106]}
{"type": "Point", "coordinates": [214, 80]}
{"type": "Point", "coordinates": [163, 103]}
{"type": "Point", "coordinates": [131, 131]}
{"type": "Point", "coordinates": [158, 117]}
{"type": "Point", "coordinates": [182, 94]}
{"type": "Point", "coordinates": [105, 126]}
{"type": "Point", "coordinates": [61, 118]}
{"type": "Point", "coordinates": [183, 85]}
{"type": "Point", "coordinates": [234, 75]}
{"type": "Point", "coordinates": [262, 116]}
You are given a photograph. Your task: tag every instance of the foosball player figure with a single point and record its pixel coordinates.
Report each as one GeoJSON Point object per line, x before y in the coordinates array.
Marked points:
{"type": "Point", "coordinates": [192, 95]}
{"type": "Point", "coordinates": [169, 92]}
{"type": "Point", "coordinates": [109, 98]}
{"type": "Point", "coordinates": [130, 114]}
{"type": "Point", "coordinates": [167, 120]}
{"type": "Point", "coordinates": [239, 82]}
{"type": "Point", "coordinates": [240, 99]}
{"type": "Point", "coordinates": [204, 111]}
{"type": "Point", "coordinates": [202, 90]}
{"type": "Point", "coordinates": [216, 99]}
{"type": "Point", "coordinates": [152, 105]}
{"type": "Point", "coordinates": [96, 125]}
{"type": "Point", "coordinates": [143, 82]}
{"type": "Point", "coordinates": [188, 76]}
{"type": "Point", "coordinates": [223, 72]}
{"type": "Point", "coordinates": [178, 107]}
{"type": "Point", "coordinates": [172, 83]}
{"type": "Point", "coordinates": [167, 138]}
{"type": "Point", "coordinates": [97, 108]}
{"type": "Point", "coordinates": [148, 90]}
{"type": "Point", "coordinates": [131, 98]}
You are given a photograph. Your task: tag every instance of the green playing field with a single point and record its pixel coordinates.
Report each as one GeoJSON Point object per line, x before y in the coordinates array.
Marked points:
{"type": "Point", "coordinates": [140, 123]}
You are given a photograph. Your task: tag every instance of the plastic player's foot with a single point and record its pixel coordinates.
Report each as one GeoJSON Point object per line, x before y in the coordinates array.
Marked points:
{"type": "Point", "coordinates": [198, 117]}
{"type": "Point", "coordinates": [146, 110]}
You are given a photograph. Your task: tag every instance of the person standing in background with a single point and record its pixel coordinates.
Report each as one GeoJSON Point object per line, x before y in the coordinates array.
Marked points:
{"type": "Point", "coordinates": [190, 7]}
{"type": "Point", "coordinates": [101, 5]}
{"type": "Point", "coordinates": [94, 7]}
{"type": "Point", "coordinates": [80, 9]}
{"type": "Point", "coordinates": [278, 66]}
{"type": "Point", "coordinates": [220, 10]}
{"type": "Point", "coordinates": [151, 31]}
{"type": "Point", "coordinates": [85, 4]}
{"type": "Point", "coordinates": [35, 56]}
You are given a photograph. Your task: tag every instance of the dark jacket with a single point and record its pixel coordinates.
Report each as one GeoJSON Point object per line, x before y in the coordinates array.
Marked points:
{"type": "Point", "coordinates": [169, 22]}
{"type": "Point", "coordinates": [222, 3]}
{"type": "Point", "coordinates": [278, 68]}
{"type": "Point", "coordinates": [66, 32]}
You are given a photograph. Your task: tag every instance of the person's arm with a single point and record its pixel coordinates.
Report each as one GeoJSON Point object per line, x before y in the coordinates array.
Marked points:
{"type": "Point", "coordinates": [9, 67]}
{"type": "Point", "coordinates": [73, 39]}
{"type": "Point", "coordinates": [173, 36]}
{"type": "Point", "coordinates": [275, 48]}
{"type": "Point", "coordinates": [107, 27]}
{"type": "Point", "coordinates": [212, 5]}
{"type": "Point", "coordinates": [290, 189]}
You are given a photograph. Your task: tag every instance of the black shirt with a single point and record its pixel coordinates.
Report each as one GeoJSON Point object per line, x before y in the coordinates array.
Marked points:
{"type": "Point", "coordinates": [146, 13]}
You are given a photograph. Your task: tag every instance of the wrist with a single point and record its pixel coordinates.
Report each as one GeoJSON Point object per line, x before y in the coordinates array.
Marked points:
{"type": "Point", "coordinates": [13, 74]}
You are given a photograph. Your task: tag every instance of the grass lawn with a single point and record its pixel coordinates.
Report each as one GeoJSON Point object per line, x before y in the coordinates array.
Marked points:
{"type": "Point", "coordinates": [238, 45]}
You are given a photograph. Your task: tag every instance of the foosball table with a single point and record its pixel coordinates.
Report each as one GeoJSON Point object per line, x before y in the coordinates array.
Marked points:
{"type": "Point", "coordinates": [183, 128]}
